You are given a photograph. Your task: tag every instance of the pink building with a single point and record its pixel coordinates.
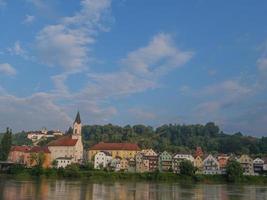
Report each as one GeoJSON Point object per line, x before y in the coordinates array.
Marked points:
{"type": "Point", "coordinates": [19, 154]}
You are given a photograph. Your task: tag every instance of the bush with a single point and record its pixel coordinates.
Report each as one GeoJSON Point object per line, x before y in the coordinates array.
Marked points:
{"type": "Point", "coordinates": [234, 171]}
{"type": "Point", "coordinates": [187, 168]}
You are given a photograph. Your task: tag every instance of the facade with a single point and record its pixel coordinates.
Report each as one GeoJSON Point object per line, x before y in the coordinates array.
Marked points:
{"type": "Point", "coordinates": [211, 165]}
{"type": "Point", "coordinates": [63, 162]}
{"type": "Point", "coordinates": [124, 164]}
{"type": "Point", "coordinates": [19, 154]}
{"type": "Point", "coordinates": [198, 163]}
{"type": "Point", "coordinates": [223, 160]}
{"type": "Point", "coordinates": [178, 158]}
{"type": "Point", "coordinates": [247, 164]}
{"type": "Point", "coordinates": [123, 150]}
{"type": "Point", "coordinates": [36, 136]}
{"type": "Point", "coordinates": [69, 146]}
{"type": "Point", "coordinates": [131, 165]}
{"type": "Point", "coordinates": [258, 165]}
{"type": "Point", "coordinates": [28, 156]}
{"type": "Point", "coordinates": [115, 164]}
{"type": "Point", "coordinates": [146, 161]}
{"type": "Point", "coordinates": [102, 159]}
{"type": "Point", "coordinates": [165, 162]}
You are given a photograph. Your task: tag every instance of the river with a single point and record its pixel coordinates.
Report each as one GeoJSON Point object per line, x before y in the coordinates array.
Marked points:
{"type": "Point", "coordinates": [69, 189]}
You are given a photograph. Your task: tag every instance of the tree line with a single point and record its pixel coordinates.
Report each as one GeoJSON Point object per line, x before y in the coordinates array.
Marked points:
{"type": "Point", "coordinates": [176, 138]}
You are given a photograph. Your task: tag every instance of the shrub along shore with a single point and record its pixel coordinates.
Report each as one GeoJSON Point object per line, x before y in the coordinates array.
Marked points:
{"type": "Point", "coordinates": [74, 172]}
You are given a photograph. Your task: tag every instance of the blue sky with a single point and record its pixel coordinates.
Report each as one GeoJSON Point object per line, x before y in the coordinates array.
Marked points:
{"type": "Point", "coordinates": [129, 62]}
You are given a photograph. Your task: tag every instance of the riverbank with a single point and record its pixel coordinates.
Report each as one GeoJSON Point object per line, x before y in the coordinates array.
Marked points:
{"type": "Point", "coordinates": [74, 173]}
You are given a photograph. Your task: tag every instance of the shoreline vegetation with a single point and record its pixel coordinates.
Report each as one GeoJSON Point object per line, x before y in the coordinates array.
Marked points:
{"type": "Point", "coordinates": [75, 173]}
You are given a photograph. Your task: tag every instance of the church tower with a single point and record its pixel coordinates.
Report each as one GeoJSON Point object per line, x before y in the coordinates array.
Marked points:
{"type": "Point", "coordinates": [77, 127]}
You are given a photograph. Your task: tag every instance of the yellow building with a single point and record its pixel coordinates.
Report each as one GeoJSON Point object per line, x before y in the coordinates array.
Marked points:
{"type": "Point", "coordinates": [122, 150]}
{"type": "Point", "coordinates": [198, 163]}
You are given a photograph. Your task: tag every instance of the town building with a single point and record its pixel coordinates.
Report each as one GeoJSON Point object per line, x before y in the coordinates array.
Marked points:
{"type": "Point", "coordinates": [211, 165]}
{"type": "Point", "coordinates": [131, 165]}
{"type": "Point", "coordinates": [198, 163]}
{"type": "Point", "coordinates": [146, 161]}
{"type": "Point", "coordinates": [123, 150]}
{"type": "Point", "coordinates": [247, 164]}
{"type": "Point", "coordinates": [223, 160]}
{"type": "Point", "coordinates": [115, 164]}
{"type": "Point", "coordinates": [124, 164]}
{"type": "Point", "coordinates": [19, 154]}
{"type": "Point", "coordinates": [63, 162]}
{"type": "Point", "coordinates": [258, 166]}
{"type": "Point", "coordinates": [69, 146]}
{"type": "Point", "coordinates": [102, 159]}
{"type": "Point", "coordinates": [36, 136]}
{"type": "Point", "coordinates": [165, 162]}
{"type": "Point", "coordinates": [178, 158]}
{"type": "Point", "coordinates": [29, 156]}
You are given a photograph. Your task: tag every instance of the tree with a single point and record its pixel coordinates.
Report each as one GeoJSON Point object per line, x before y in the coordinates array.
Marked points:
{"type": "Point", "coordinates": [5, 145]}
{"type": "Point", "coordinates": [37, 159]}
{"type": "Point", "coordinates": [54, 163]}
{"type": "Point", "coordinates": [234, 171]}
{"type": "Point", "coordinates": [187, 168]}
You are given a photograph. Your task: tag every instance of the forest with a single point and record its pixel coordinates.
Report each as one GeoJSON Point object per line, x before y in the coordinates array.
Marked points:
{"type": "Point", "coordinates": [177, 138]}
{"type": "Point", "coordinates": [171, 137]}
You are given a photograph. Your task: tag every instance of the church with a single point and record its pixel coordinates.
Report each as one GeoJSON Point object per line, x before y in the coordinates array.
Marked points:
{"type": "Point", "coordinates": [69, 148]}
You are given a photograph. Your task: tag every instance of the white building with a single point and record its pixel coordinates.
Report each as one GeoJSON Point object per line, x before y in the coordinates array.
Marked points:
{"type": "Point", "coordinates": [64, 162]}
{"type": "Point", "coordinates": [102, 159]}
{"type": "Point", "coordinates": [211, 165]}
{"type": "Point", "coordinates": [69, 146]}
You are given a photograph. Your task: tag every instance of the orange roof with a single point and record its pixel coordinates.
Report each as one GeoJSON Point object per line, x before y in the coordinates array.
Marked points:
{"type": "Point", "coordinates": [115, 146]}
{"type": "Point", "coordinates": [37, 149]}
{"type": "Point", "coordinates": [63, 141]}
{"type": "Point", "coordinates": [20, 148]}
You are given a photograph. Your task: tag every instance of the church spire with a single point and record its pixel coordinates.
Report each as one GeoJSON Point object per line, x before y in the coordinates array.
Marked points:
{"type": "Point", "coordinates": [78, 118]}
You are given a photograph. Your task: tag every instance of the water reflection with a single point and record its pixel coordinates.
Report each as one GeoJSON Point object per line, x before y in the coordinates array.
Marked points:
{"type": "Point", "coordinates": [61, 189]}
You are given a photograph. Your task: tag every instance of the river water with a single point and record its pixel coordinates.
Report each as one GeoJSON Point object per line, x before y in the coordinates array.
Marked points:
{"type": "Point", "coordinates": [68, 189]}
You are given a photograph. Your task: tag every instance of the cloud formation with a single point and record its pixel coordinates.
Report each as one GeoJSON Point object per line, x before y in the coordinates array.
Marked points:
{"type": "Point", "coordinates": [7, 69]}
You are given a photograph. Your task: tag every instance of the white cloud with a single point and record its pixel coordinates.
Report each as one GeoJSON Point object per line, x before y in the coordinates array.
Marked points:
{"type": "Point", "coordinates": [28, 19]}
{"type": "Point", "coordinates": [17, 50]}
{"type": "Point", "coordinates": [32, 112]}
{"type": "Point", "coordinates": [7, 69]}
{"type": "Point", "coordinates": [262, 64]}
{"type": "Point", "coordinates": [157, 58]}
{"type": "Point", "coordinates": [60, 46]}
{"type": "Point", "coordinates": [66, 44]}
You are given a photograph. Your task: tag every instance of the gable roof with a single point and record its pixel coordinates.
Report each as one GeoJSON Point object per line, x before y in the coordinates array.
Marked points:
{"type": "Point", "coordinates": [63, 141]}
{"type": "Point", "coordinates": [20, 148]}
{"type": "Point", "coordinates": [115, 146]}
{"type": "Point", "coordinates": [38, 149]}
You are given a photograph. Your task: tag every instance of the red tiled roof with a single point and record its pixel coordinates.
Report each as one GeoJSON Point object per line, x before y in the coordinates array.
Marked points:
{"type": "Point", "coordinates": [63, 141]}
{"type": "Point", "coordinates": [37, 149]}
{"type": "Point", "coordinates": [115, 146]}
{"type": "Point", "coordinates": [20, 148]}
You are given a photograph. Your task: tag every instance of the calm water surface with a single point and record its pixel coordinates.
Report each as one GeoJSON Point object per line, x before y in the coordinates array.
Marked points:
{"type": "Point", "coordinates": [67, 189]}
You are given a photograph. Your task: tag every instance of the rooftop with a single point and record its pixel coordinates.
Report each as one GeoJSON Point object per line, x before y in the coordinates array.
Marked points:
{"type": "Point", "coordinates": [115, 146]}
{"type": "Point", "coordinates": [63, 141]}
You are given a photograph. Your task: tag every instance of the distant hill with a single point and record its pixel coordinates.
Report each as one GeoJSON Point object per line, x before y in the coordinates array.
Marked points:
{"type": "Point", "coordinates": [176, 138]}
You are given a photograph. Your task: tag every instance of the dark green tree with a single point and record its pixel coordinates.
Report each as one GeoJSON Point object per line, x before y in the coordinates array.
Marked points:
{"type": "Point", "coordinates": [5, 145]}
{"type": "Point", "coordinates": [187, 168]}
{"type": "Point", "coordinates": [234, 171]}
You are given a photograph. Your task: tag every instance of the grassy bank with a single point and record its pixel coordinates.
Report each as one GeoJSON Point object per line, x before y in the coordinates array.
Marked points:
{"type": "Point", "coordinates": [76, 173]}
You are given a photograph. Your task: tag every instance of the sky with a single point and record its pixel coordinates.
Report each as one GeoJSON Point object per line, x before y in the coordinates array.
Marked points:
{"type": "Point", "coordinates": [133, 62]}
